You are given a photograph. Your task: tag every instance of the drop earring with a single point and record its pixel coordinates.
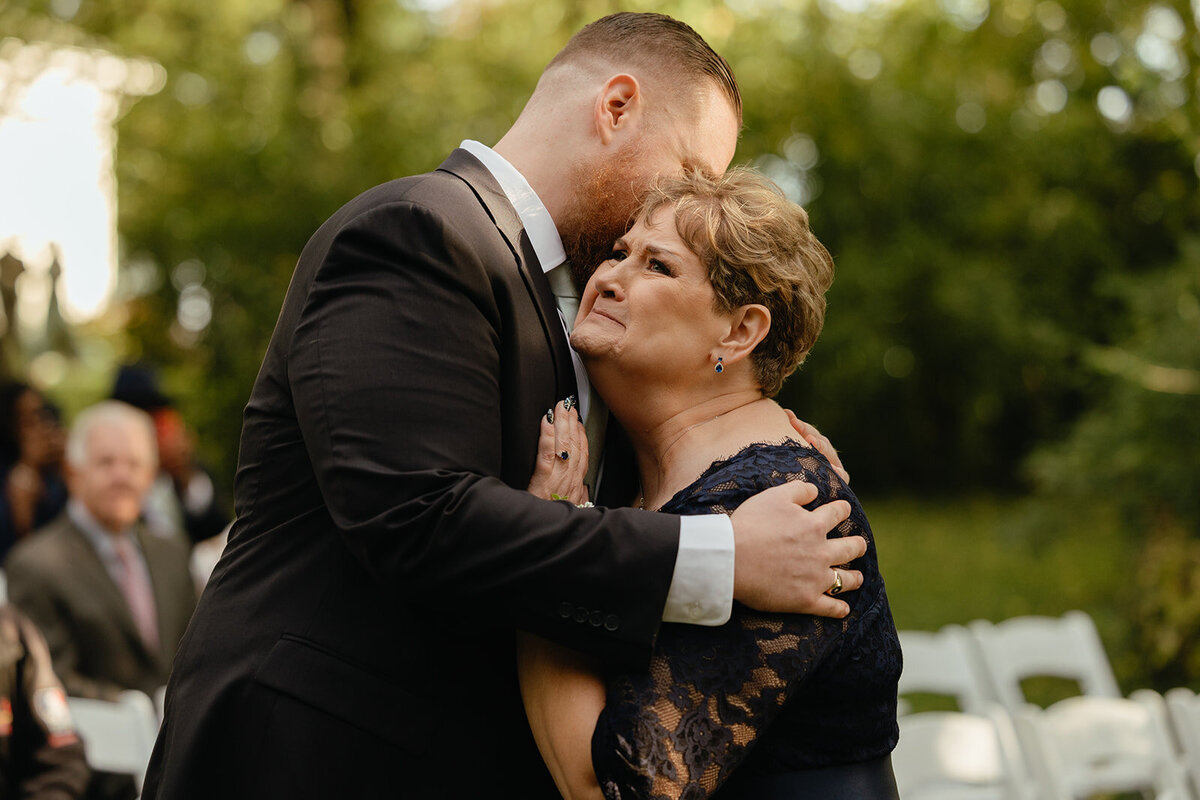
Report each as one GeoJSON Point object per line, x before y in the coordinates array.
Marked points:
{"type": "Point", "coordinates": [720, 367]}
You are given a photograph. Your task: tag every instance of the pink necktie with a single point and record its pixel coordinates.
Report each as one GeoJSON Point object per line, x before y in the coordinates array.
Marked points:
{"type": "Point", "coordinates": [135, 585]}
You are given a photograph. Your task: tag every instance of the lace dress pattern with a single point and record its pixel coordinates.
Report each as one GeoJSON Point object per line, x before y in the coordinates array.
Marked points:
{"type": "Point", "coordinates": [764, 692]}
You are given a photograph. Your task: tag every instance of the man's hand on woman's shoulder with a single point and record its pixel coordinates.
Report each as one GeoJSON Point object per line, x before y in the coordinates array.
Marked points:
{"type": "Point", "coordinates": [825, 447]}
{"type": "Point", "coordinates": [783, 561]}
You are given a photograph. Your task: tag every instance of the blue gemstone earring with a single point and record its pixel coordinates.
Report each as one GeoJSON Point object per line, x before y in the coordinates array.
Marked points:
{"type": "Point", "coordinates": [719, 367]}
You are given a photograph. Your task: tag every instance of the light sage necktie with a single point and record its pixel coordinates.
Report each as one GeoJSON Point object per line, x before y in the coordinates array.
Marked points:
{"type": "Point", "coordinates": [567, 299]}
{"type": "Point", "coordinates": [139, 594]}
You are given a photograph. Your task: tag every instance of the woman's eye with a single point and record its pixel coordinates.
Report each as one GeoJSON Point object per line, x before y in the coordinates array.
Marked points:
{"type": "Point", "coordinates": [660, 267]}
{"type": "Point", "coordinates": [617, 254]}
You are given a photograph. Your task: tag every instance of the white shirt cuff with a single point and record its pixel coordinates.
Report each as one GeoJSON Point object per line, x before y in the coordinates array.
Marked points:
{"type": "Point", "coordinates": [701, 590]}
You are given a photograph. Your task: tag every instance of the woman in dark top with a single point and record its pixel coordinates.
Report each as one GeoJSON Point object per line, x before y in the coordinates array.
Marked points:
{"type": "Point", "coordinates": [33, 489]}
{"type": "Point", "coordinates": [712, 298]}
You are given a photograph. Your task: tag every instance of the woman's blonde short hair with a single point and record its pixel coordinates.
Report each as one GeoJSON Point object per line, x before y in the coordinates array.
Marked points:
{"type": "Point", "coordinates": [757, 248]}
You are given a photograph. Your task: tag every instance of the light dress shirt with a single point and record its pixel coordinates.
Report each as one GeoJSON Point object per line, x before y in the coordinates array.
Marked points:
{"type": "Point", "coordinates": [102, 541]}
{"type": "Point", "coordinates": [701, 590]}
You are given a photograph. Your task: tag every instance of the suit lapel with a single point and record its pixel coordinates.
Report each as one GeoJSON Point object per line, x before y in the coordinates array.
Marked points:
{"type": "Point", "coordinates": [153, 554]}
{"type": "Point", "coordinates": [491, 196]}
{"type": "Point", "coordinates": [102, 587]}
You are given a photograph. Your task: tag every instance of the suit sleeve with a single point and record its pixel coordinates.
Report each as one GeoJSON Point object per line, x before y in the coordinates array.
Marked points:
{"type": "Point", "coordinates": [30, 590]}
{"type": "Point", "coordinates": [395, 373]}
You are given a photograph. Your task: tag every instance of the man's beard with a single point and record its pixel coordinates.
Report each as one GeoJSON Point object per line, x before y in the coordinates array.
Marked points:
{"type": "Point", "coordinates": [600, 211]}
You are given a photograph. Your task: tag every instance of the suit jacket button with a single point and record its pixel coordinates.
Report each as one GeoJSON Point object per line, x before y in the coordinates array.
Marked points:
{"type": "Point", "coordinates": [612, 622]}
{"type": "Point", "coordinates": [596, 619]}
{"type": "Point", "coordinates": [565, 610]}
{"type": "Point", "coordinates": [581, 614]}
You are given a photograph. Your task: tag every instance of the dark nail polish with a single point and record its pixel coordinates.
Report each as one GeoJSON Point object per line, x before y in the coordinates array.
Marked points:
{"type": "Point", "coordinates": [550, 415]}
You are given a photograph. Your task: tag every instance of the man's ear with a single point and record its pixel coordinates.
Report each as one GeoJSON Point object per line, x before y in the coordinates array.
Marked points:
{"type": "Point", "coordinates": [748, 325]}
{"type": "Point", "coordinates": [618, 106]}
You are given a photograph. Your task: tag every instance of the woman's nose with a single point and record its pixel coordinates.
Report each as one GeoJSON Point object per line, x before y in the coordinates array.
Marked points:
{"type": "Point", "coordinates": [607, 279]}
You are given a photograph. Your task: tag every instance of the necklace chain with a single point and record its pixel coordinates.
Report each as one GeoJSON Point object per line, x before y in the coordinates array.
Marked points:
{"type": "Point", "coordinates": [641, 501]}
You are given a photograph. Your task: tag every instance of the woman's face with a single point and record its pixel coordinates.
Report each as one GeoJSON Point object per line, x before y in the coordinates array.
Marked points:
{"type": "Point", "coordinates": [649, 306]}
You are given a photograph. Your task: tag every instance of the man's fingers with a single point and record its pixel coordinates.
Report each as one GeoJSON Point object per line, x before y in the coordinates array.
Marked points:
{"type": "Point", "coordinates": [852, 579]}
{"type": "Point", "coordinates": [830, 515]}
{"type": "Point", "coordinates": [832, 457]}
{"type": "Point", "coordinates": [799, 492]}
{"type": "Point", "coordinates": [825, 448]}
{"type": "Point", "coordinates": [802, 427]}
{"type": "Point", "coordinates": [827, 606]}
{"type": "Point", "coordinates": [819, 441]}
{"type": "Point", "coordinates": [846, 549]}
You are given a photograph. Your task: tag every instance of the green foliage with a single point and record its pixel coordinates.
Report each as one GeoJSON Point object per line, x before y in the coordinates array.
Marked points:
{"type": "Point", "coordinates": [955, 560]}
{"type": "Point", "coordinates": [1137, 441]}
{"type": "Point", "coordinates": [1165, 612]}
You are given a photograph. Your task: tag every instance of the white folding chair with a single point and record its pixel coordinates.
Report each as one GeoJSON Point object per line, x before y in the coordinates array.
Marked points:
{"type": "Point", "coordinates": [117, 736]}
{"type": "Point", "coordinates": [945, 662]}
{"type": "Point", "coordinates": [1025, 647]}
{"type": "Point", "coordinates": [1183, 708]}
{"type": "Point", "coordinates": [1082, 746]}
{"type": "Point", "coordinates": [951, 755]}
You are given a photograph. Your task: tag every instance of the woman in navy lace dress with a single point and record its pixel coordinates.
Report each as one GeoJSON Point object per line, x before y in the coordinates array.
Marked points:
{"type": "Point", "coordinates": [712, 298]}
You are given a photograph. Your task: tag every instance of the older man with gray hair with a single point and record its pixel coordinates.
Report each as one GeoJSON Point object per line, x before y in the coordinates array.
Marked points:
{"type": "Point", "coordinates": [111, 597]}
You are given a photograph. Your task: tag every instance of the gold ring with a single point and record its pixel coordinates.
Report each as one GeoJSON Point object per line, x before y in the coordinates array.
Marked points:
{"type": "Point", "coordinates": [836, 588]}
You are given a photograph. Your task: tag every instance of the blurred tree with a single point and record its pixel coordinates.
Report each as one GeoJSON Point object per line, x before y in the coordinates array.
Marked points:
{"type": "Point", "coordinates": [982, 175]}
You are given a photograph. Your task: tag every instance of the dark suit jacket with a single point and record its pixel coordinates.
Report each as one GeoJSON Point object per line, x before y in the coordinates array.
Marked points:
{"type": "Point", "coordinates": [57, 579]}
{"type": "Point", "coordinates": [356, 638]}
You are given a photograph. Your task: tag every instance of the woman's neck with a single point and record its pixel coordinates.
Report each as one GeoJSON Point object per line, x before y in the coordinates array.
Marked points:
{"type": "Point", "coordinates": [674, 451]}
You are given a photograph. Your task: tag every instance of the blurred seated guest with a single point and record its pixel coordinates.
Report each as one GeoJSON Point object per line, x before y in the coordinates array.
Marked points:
{"type": "Point", "coordinates": [111, 597]}
{"type": "Point", "coordinates": [184, 496]}
{"type": "Point", "coordinates": [41, 757]}
{"type": "Point", "coordinates": [31, 454]}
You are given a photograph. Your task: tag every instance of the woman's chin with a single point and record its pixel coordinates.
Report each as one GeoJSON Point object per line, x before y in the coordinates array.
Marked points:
{"type": "Point", "coordinates": [591, 344]}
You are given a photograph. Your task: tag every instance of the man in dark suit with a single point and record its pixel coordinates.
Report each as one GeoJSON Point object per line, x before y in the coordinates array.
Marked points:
{"type": "Point", "coordinates": [112, 599]}
{"type": "Point", "coordinates": [357, 637]}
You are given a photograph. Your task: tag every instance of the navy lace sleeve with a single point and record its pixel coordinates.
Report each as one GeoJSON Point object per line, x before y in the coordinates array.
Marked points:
{"type": "Point", "coordinates": [764, 692]}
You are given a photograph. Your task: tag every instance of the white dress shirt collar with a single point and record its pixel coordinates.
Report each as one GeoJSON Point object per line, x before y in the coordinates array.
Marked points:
{"type": "Point", "coordinates": [99, 537]}
{"type": "Point", "coordinates": [543, 234]}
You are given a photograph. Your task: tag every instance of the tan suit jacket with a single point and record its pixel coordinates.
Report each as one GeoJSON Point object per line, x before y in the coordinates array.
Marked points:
{"type": "Point", "coordinates": [56, 577]}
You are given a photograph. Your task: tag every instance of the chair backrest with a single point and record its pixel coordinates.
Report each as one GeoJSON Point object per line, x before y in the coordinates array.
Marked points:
{"type": "Point", "coordinates": [1183, 709]}
{"type": "Point", "coordinates": [950, 754]}
{"type": "Point", "coordinates": [945, 662]}
{"type": "Point", "coordinates": [117, 736]}
{"type": "Point", "coordinates": [1085, 745]}
{"type": "Point", "coordinates": [1025, 647]}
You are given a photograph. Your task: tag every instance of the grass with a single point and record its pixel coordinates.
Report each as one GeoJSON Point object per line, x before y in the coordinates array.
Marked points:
{"type": "Point", "coordinates": [957, 560]}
